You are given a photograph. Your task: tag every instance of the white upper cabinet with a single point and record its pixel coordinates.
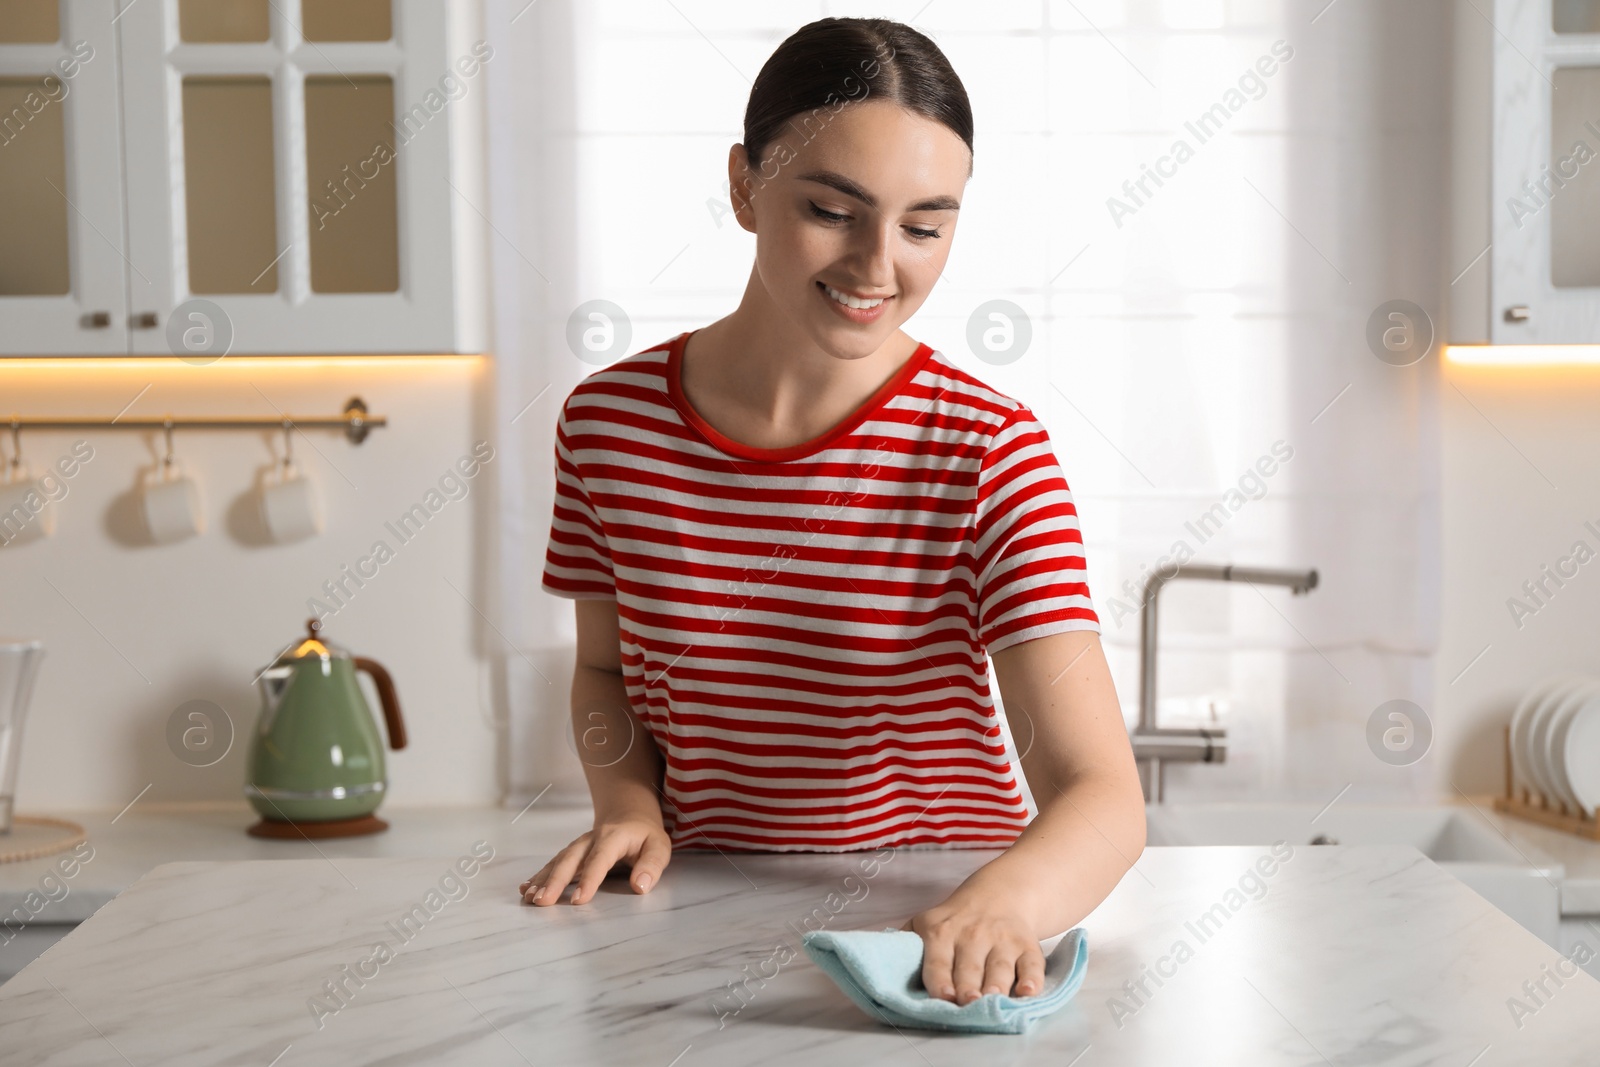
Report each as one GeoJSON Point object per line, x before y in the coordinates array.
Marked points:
{"type": "Point", "coordinates": [296, 176]}
{"type": "Point", "coordinates": [63, 265]}
{"type": "Point", "coordinates": [1532, 79]}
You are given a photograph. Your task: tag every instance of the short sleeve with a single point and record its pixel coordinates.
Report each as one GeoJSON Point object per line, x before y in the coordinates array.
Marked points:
{"type": "Point", "coordinates": [1032, 578]}
{"type": "Point", "coordinates": [577, 563]}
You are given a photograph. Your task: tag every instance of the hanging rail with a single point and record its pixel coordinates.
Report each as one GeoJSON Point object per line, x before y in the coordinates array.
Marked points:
{"type": "Point", "coordinates": [355, 422]}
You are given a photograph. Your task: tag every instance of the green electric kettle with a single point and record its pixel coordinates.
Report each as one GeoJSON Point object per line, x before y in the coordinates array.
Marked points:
{"type": "Point", "coordinates": [316, 757]}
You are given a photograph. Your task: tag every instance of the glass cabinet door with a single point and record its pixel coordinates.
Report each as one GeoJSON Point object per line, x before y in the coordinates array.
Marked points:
{"type": "Point", "coordinates": [62, 247]}
{"type": "Point", "coordinates": [272, 171]}
{"type": "Point", "coordinates": [1576, 16]}
{"type": "Point", "coordinates": [1575, 163]}
{"type": "Point", "coordinates": [1545, 222]}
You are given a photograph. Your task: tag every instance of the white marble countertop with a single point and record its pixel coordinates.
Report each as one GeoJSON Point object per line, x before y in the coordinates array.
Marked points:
{"type": "Point", "coordinates": [128, 845]}
{"type": "Point", "coordinates": [148, 835]}
{"type": "Point", "coordinates": [1367, 955]}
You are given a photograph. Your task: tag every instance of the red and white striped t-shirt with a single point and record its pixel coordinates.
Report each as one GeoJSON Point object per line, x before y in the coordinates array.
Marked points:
{"type": "Point", "coordinates": [803, 630]}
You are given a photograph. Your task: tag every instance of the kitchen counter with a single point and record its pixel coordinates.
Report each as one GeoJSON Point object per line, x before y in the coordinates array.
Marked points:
{"type": "Point", "coordinates": [39, 904]}
{"type": "Point", "coordinates": [1321, 955]}
{"type": "Point", "coordinates": [127, 845]}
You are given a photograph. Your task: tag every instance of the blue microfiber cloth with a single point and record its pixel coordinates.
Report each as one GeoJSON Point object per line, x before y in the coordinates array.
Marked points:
{"type": "Point", "coordinates": [882, 972]}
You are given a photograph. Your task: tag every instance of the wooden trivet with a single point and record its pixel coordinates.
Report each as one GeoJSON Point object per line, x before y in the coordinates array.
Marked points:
{"type": "Point", "coordinates": [279, 830]}
{"type": "Point", "coordinates": [33, 836]}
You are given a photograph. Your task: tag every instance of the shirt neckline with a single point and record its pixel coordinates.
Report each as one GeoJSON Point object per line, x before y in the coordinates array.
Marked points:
{"type": "Point", "coordinates": [865, 410]}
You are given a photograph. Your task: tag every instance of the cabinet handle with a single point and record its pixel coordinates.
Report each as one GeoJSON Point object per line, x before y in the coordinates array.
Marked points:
{"type": "Point", "coordinates": [144, 320]}
{"type": "Point", "coordinates": [95, 320]}
{"type": "Point", "coordinates": [1518, 313]}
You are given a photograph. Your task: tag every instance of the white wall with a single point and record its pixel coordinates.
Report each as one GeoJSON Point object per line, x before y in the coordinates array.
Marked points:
{"type": "Point", "coordinates": [1521, 477]}
{"type": "Point", "coordinates": [133, 631]}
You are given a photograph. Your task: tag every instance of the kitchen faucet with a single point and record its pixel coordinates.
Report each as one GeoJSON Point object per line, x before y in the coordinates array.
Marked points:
{"type": "Point", "coordinates": [1153, 746]}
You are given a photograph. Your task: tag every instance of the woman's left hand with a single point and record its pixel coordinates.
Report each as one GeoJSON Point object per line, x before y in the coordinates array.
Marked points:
{"type": "Point", "coordinates": [974, 945]}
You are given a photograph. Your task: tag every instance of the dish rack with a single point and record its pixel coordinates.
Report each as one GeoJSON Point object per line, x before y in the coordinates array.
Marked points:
{"type": "Point", "coordinates": [1556, 815]}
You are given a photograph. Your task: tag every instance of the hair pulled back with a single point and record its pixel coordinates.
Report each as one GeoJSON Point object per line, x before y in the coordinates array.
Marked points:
{"type": "Point", "coordinates": [832, 62]}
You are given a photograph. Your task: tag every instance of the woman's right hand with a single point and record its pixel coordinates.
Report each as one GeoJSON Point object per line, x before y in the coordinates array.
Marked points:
{"type": "Point", "coordinates": [637, 840]}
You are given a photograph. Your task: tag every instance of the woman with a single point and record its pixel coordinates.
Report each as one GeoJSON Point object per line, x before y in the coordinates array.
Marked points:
{"type": "Point", "coordinates": [793, 535]}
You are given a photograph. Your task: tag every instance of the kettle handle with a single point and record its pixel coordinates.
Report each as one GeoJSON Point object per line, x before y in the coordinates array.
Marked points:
{"type": "Point", "coordinates": [387, 697]}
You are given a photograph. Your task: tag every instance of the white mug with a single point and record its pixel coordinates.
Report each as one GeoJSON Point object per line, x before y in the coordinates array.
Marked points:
{"type": "Point", "coordinates": [171, 504]}
{"type": "Point", "coordinates": [25, 508]}
{"type": "Point", "coordinates": [291, 510]}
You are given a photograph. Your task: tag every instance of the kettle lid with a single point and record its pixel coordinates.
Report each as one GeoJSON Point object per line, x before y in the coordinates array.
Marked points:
{"type": "Point", "coordinates": [312, 646]}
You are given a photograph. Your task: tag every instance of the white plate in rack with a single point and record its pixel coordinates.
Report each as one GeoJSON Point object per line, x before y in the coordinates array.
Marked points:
{"type": "Point", "coordinates": [1580, 755]}
{"type": "Point", "coordinates": [1550, 741]}
{"type": "Point", "coordinates": [1533, 738]}
{"type": "Point", "coordinates": [1519, 727]}
{"type": "Point", "coordinates": [1520, 723]}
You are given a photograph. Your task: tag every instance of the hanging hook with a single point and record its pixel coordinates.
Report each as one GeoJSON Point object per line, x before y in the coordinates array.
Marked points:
{"type": "Point", "coordinates": [16, 448]}
{"type": "Point", "coordinates": [166, 462]}
{"type": "Point", "coordinates": [288, 444]}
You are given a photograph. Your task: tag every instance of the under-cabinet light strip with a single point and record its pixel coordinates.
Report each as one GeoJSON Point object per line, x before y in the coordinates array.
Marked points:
{"type": "Point", "coordinates": [1523, 355]}
{"type": "Point", "coordinates": [172, 363]}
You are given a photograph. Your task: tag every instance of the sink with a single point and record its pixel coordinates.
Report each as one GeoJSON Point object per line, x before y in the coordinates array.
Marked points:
{"type": "Point", "coordinates": [1454, 837]}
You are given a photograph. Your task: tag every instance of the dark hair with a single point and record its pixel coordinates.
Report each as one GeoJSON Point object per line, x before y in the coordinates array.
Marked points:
{"type": "Point", "coordinates": [831, 62]}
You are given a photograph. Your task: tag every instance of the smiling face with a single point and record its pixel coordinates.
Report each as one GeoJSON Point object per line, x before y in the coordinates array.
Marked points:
{"type": "Point", "coordinates": [865, 210]}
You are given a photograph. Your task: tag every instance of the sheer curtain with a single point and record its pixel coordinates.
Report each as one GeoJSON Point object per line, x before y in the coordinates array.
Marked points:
{"type": "Point", "coordinates": [1198, 319]}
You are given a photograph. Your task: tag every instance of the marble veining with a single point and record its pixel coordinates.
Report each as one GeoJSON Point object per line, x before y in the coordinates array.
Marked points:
{"type": "Point", "coordinates": [1346, 955]}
